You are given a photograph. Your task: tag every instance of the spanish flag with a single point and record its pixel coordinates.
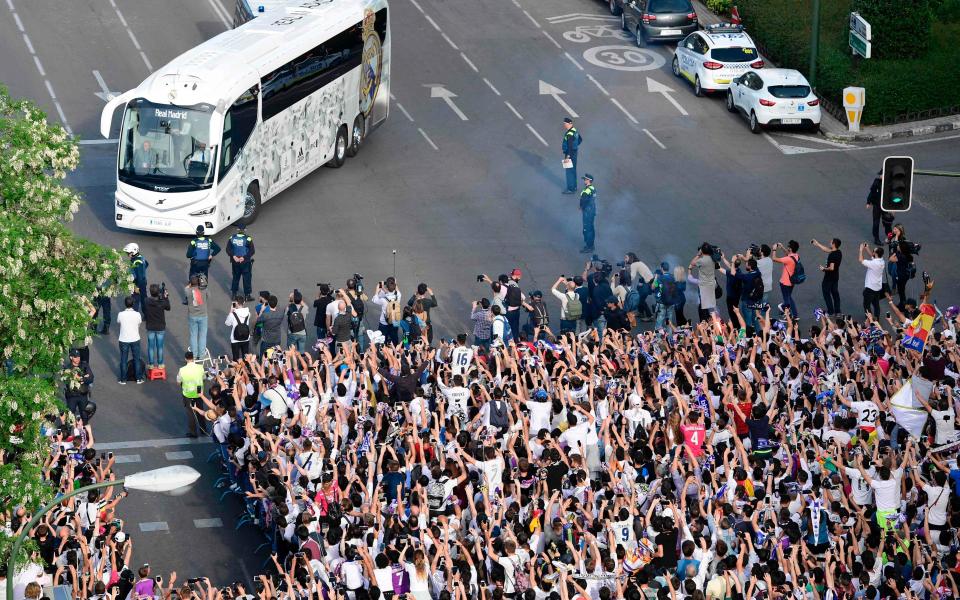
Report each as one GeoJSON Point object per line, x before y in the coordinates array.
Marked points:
{"type": "Point", "coordinates": [915, 337]}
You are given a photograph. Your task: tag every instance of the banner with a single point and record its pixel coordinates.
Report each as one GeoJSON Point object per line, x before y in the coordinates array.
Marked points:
{"type": "Point", "coordinates": [907, 410]}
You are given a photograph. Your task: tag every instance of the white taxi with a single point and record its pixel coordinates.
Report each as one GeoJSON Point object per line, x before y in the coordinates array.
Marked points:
{"type": "Point", "coordinates": [774, 97]}
{"type": "Point", "coordinates": [711, 58]}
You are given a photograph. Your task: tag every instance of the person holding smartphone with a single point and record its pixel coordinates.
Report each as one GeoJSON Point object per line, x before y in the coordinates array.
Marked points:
{"type": "Point", "coordinates": [190, 378]}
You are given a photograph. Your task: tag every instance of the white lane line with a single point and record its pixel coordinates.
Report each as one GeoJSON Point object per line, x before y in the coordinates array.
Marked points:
{"type": "Point", "coordinates": [814, 139]}
{"type": "Point", "coordinates": [36, 61]}
{"type": "Point", "coordinates": [427, 137]}
{"type": "Point", "coordinates": [490, 85]}
{"type": "Point", "coordinates": [126, 458]}
{"type": "Point", "coordinates": [158, 443]}
{"type": "Point", "coordinates": [655, 140]}
{"type": "Point", "coordinates": [154, 526]}
{"type": "Point", "coordinates": [550, 37]}
{"type": "Point", "coordinates": [515, 3]}
{"type": "Point", "coordinates": [432, 22]}
{"type": "Point", "coordinates": [98, 142]}
{"type": "Point", "coordinates": [217, 10]}
{"type": "Point", "coordinates": [774, 142]}
{"type": "Point", "coordinates": [179, 455]}
{"type": "Point", "coordinates": [207, 523]}
{"type": "Point", "coordinates": [573, 60]}
{"type": "Point", "coordinates": [133, 38]}
{"type": "Point", "coordinates": [513, 110]}
{"type": "Point", "coordinates": [16, 18]}
{"type": "Point", "coordinates": [597, 83]}
{"type": "Point", "coordinates": [449, 41]}
{"type": "Point", "coordinates": [415, 5]}
{"type": "Point", "coordinates": [539, 137]}
{"type": "Point", "coordinates": [26, 40]}
{"type": "Point", "coordinates": [469, 62]}
{"type": "Point", "coordinates": [10, 5]}
{"type": "Point", "coordinates": [404, 111]}
{"type": "Point", "coordinates": [50, 88]}
{"type": "Point", "coordinates": [623, 110]}
{"type": "Point", "coordinates": [532, 20]}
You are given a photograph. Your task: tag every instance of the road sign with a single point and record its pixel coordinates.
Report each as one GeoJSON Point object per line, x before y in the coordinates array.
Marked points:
{"type": "Point", "coordinates": [853, 101]}
{"type": "Point", "coordinates": [860, 35]}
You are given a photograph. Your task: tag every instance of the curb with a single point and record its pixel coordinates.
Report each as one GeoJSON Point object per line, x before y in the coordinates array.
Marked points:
{"type": "Point", "coordinates": [916, 130]}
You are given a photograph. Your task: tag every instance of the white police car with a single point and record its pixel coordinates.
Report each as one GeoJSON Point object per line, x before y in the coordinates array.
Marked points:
{"type": "Point", "coordinates": [711, 58]}
{"type": "Point", "coordinates": [774, 97]}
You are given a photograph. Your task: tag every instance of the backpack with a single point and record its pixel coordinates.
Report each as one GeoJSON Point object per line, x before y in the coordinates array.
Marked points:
{"type": "Point", "coordinates": [540, 316]}
{"type": "Point", "coordinates": [295, 323]}
{"type": "Point", "coordinates": [394, 312]}
{"type": "Point", "coordinates": [400, 580]}
{"type": "Point", "coordinates": [507, 331]}
{"type": "Point", "coordinates": [514, 296]}
{"type": "Point", "coordinates": [498, 414]}
{"type": "Point", "coordinates": [799, 276]}
{"type": "Point", "coordinates": [667, 290]}
{"type": "Point", "coordinates": [414, 332]}
{"type": "Point", "coordinates": [436, 494]}
{"type": "Point", "coordinates": [574, 307]}
{"type": "Point", "coordinates": [242, 330]}
{"type": "Point", "coordinates": [358, 307]}
{"type": "Point", "coordinates": [756, 292]}
{"type": "Point", "coordinates": [632, 301]}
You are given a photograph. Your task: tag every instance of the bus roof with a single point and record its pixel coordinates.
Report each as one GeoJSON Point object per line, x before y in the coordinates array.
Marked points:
{"type": "Point", "coordinates": [230, 61]}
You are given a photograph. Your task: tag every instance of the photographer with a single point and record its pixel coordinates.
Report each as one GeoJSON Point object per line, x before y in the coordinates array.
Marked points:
{"type": "Point", "coordinates": [873, 279]}
{"type": "Point", "coordinates": [571, 309]}
{"type": "Point", "coordinates": [790, 261]}
{"type": "Point", "coordinates": [388, 299]}
{"type": "Point", "coordinates": [830, 286]}
{"type": "Point", "coordinates": [427, 301]}
{"type": "Point", "coordinates": [324, 298]}
{"type": "Point", "coordinates": [902, 266]}
{"type": "Point", "coordinates": [238, 320]}
{"type": "Point", "coordinates": [482, 320]}
{"type": "Point", "coordinates": [156, 324]}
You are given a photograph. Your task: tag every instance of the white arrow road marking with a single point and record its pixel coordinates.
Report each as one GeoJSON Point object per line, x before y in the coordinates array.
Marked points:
{"type": "Point", "coordinates": [548, 90]}
{"type": "Point", "coordinates": [439, 91]}
{"type": "Point", "coordinates": [104, 94]}
{"type": "Point", "coordinates": [658, 88]}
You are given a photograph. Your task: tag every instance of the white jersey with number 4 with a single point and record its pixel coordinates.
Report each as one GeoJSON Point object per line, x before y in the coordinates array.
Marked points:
{"type": "Point", "coordinates": [460, 359]}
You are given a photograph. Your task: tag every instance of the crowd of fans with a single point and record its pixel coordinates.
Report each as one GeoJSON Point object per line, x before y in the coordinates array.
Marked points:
{"type": "Point", "coordinates": [580, 459]}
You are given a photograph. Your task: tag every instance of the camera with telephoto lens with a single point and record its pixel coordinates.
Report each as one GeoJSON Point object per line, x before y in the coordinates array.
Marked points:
{"type": "Point", "coordinates": [358, 278]}
{"type": "Point", "coordinates": [755, 251]}
{"type": "Point", "coordinates": [600, 265]}
{"type": "Point", "coordinates": [715, 252]}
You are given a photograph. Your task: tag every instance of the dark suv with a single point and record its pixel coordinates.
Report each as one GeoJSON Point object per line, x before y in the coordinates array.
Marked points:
{"type": "Point", "coordinates": [658, 20]}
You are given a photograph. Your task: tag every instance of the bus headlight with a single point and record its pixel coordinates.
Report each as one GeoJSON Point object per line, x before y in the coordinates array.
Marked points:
{"type": "Point", "coordinates": [206, 211]}
{"type": "Point", "coordinates": [123, 205]}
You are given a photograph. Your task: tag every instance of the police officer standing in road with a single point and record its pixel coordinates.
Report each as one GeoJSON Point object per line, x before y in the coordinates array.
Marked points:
{"type": "Point", "coordinates": [571, 146]}
{"type": "Point", "coordinates": [200, 251]}
{"type": "Point", "coordinates": [588, 209]}
{"type": "Point", "coordinates": [77, 379]}
{"type": "Point", "coordinates": [138, 268]}
{"type": "Point", "coordinates": [879, 215]}
{"type": "Point", "coordinates": [240, 250]}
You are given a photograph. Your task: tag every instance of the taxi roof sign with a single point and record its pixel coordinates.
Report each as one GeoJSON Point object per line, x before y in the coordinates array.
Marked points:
{"type": "Point", "coordinates": [724, 28]}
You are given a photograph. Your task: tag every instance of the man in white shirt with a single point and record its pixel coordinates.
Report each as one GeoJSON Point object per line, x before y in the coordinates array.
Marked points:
{"type": "Point", "coordinates": [565, 295]}
{"type": "Point", "coordinates": [873, 279]}
{"type": "Point", "coordinates": [129, 339]}
{"type": "Point", "coordinates": [457, 397]}
{"type": "Point", "coordinates": [239, 314]}
{"type": "Point", "coordinates": [461, 356]}
{"type": "Point", "coordinates": [387, 293]}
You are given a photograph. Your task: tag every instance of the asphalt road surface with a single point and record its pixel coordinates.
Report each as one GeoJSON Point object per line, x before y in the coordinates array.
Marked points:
{"type": "Point", "coordinates": [456, 189]}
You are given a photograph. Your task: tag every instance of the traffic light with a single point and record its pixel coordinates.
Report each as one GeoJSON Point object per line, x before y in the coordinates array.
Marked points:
{"type": "Point", "coordinates": [897, 183]}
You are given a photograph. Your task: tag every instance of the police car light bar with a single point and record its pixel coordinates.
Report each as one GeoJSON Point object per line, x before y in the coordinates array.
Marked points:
{"type": "Point", "coordinates": [724, 28]}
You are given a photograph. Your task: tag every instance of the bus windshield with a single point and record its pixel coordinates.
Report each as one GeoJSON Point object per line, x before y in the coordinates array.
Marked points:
{"type": "Point", "coordinates": [165, 147]}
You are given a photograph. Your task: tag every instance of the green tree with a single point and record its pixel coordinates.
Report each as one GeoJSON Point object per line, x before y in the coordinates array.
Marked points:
{"type": "Point", "coordinates": [48, 277]}
{"type": "Point", "coordinates": [900, 28]}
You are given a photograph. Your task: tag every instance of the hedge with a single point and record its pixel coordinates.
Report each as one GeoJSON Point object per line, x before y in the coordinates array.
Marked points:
{"type": "Point", "coordinates": [895, 87]}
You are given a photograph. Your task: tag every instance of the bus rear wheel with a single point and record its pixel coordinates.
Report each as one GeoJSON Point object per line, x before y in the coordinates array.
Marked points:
{"type": "Point", "coordinates": [339, 148]}
{"type": "Point", "coordinates": [251, 204]}
{"type": "Point", "coordinates": [356, 136]}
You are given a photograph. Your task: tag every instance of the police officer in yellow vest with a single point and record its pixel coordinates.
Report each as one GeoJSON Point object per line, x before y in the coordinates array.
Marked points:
{"type": "Point", "coordinates": [570, 147]}
{"type": "Point", "coordinates": [588, 209]}
{"type": "Point", "coordinates": [190, 378]}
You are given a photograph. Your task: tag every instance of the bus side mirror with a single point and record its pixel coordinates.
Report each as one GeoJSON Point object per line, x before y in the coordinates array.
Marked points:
{"type": "Point", "coordinates": [106, 116]}
{"type": "Point", "coordinates": [216, 129]}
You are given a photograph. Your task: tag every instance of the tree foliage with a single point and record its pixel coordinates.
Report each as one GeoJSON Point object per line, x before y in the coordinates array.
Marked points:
{"type": "Point", "coordinates": [48, 277]}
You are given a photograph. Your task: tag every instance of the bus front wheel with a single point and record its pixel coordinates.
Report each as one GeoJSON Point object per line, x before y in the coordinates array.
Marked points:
{"type": "Point", "coordinates": [251, 204]}
{"type": "Point", "coordinates": [356, 137]}
{"type": "Point", "coordinates": [339, 148]}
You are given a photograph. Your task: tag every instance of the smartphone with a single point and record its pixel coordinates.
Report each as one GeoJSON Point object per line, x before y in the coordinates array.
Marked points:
{"type": "Point", "coordinates": [479, 278]}
{"type": "Point", "coordinates": [888, 314]}
{"type": "Point", "coordinates": [157, 579]}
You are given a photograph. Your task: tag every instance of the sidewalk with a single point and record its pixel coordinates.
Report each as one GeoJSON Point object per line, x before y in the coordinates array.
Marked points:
{"type": "Point", "coordinates": [833, 129]}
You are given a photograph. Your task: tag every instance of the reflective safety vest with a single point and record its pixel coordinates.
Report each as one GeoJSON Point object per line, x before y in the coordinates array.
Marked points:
{"type": "Point", "coordinates": [191, 380]}
{"type": "Point", "coordinates": [201, 248]}
{"type": "Point", "coordinates": [238, 242]}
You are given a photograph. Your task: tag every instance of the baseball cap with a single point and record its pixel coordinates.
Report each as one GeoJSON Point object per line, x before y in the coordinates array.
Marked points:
{"type": "Point", "coordinates": [74, 353]}
{"type": "Point", "coordinates": [567, 120]}
{"type": "Point", "coordinates": [119, 537]}
{"type": "Point", "coordinates": [241, 225]}
{"type": "Point", "coordinates": [516, 273]}
{"type": "Point", "coordinates": [200, 229]}
{"type": "Point", "coordinates": [537, 293]}
{"type": "Point", "coordinates": [588, 176]}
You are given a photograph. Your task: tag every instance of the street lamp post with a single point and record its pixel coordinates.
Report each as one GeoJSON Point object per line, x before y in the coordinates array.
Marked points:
{"type": "Point", "coordinates": [166, 479]}
{"type": "Point", "coordinates": [814, 43]}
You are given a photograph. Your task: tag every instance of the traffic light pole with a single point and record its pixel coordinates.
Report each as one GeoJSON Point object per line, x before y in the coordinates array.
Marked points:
{"type": "Point", "coordinates": [814, 43]}
{"type": "Point", "coordinates": [936, 173]}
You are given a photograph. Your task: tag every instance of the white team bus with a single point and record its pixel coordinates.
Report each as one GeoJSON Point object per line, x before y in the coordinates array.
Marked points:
{"type": "Point", "coordinates": [231, 123]}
